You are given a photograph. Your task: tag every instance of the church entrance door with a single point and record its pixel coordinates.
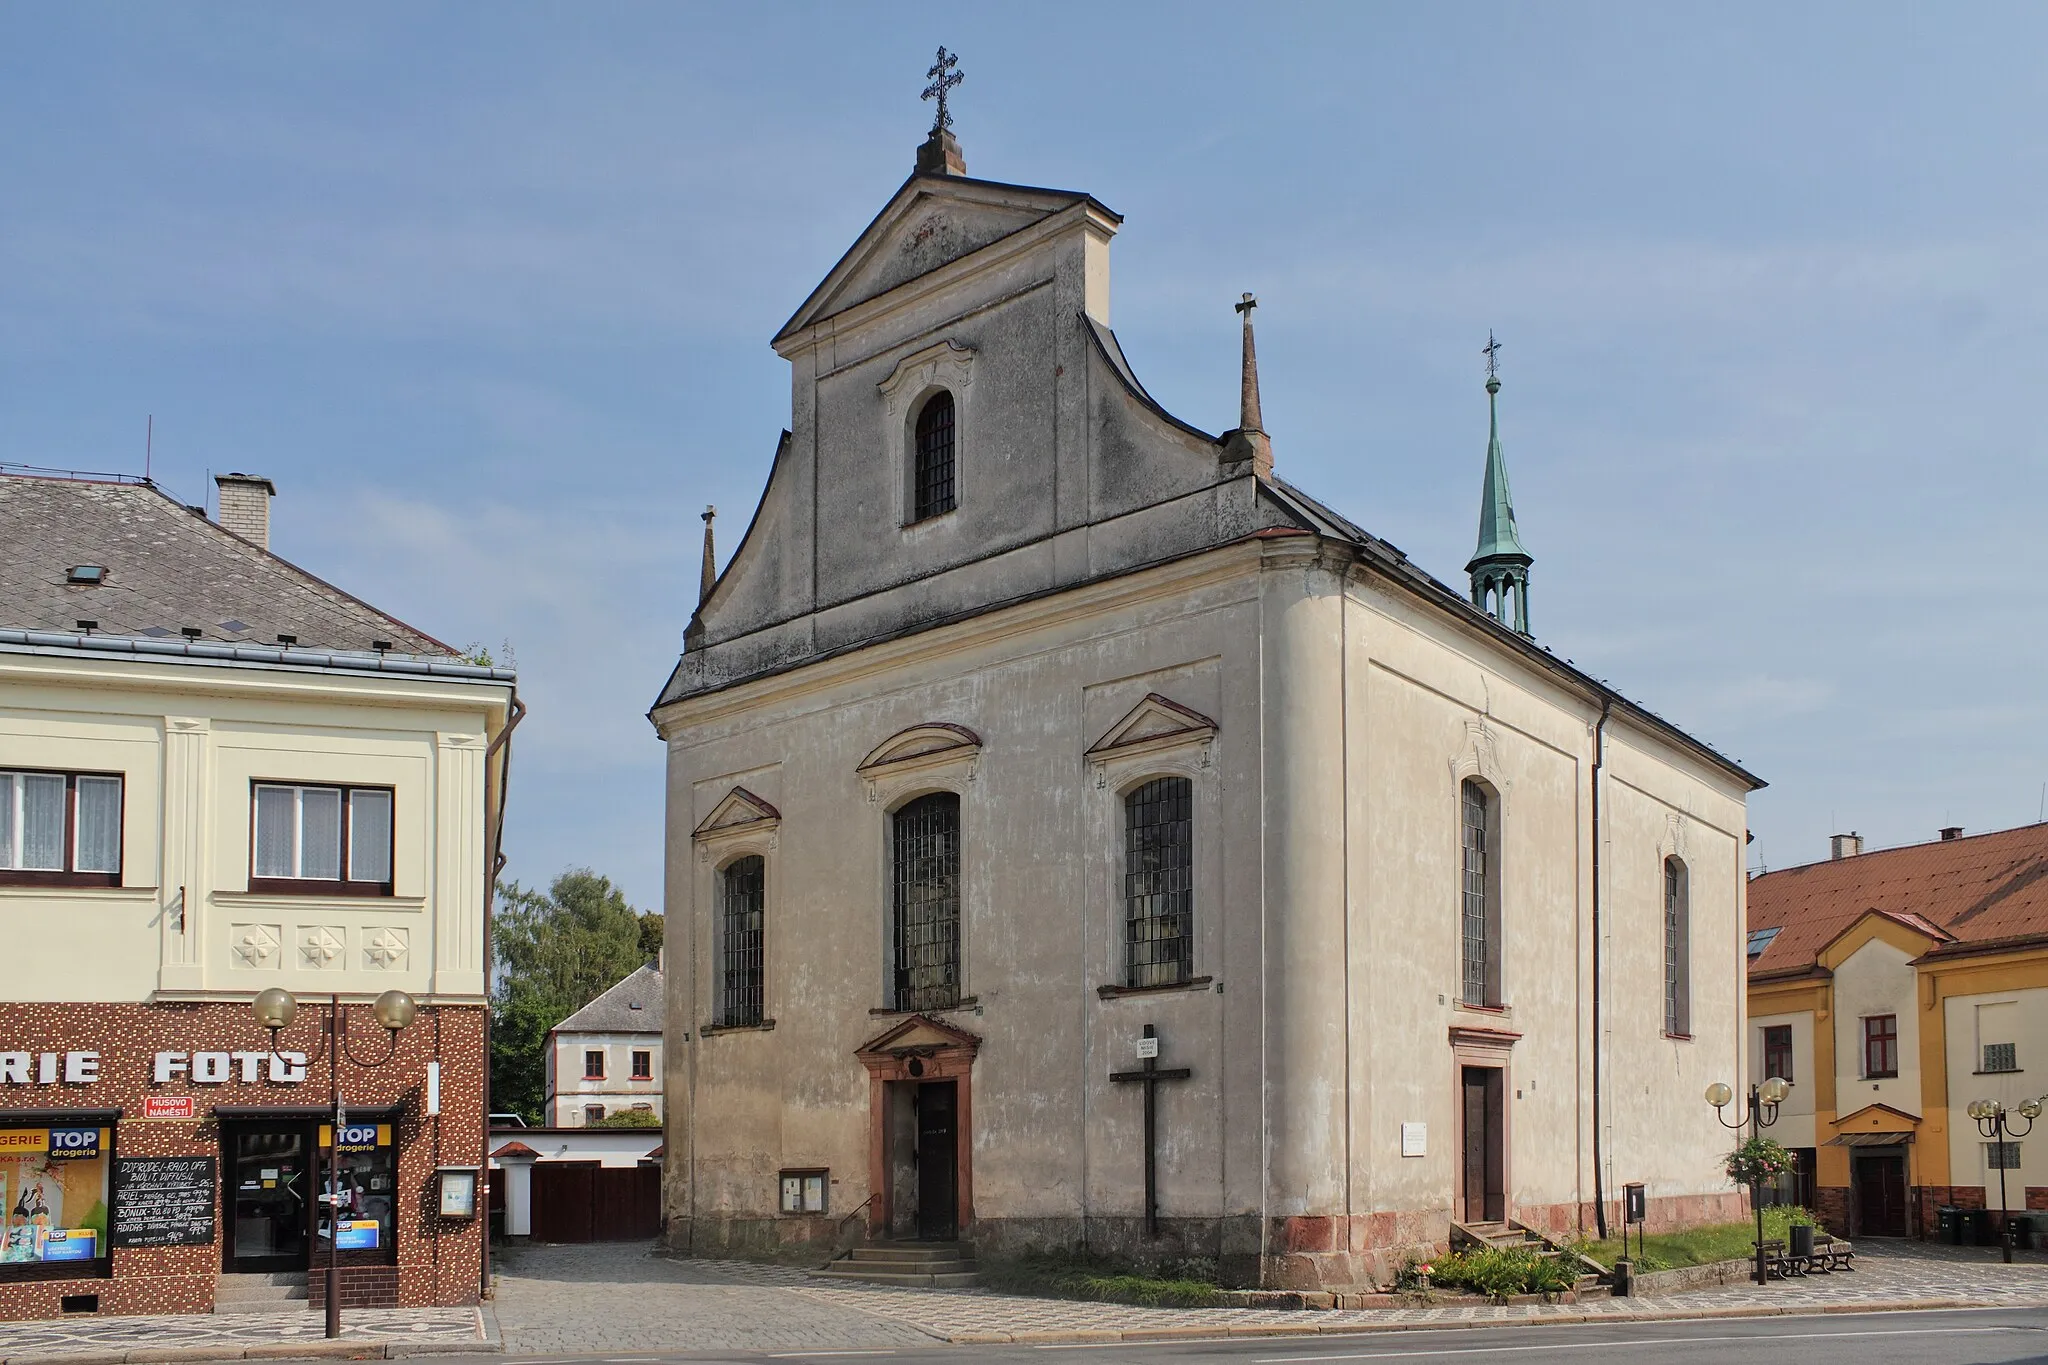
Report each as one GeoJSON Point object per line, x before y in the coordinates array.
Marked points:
{"type": "Point", "coordinates": [1483, 1196]}
{"type": "Point", "coordinates": [938, 1156]}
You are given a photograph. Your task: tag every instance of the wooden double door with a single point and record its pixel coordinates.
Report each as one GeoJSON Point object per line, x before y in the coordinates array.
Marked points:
{"type": "Point", "coordinates": [1877, 1179]}
{"type": "Point", "coordinates": [1483, 1136]}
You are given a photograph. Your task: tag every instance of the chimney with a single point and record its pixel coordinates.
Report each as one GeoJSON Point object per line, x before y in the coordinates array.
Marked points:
{"type": "Point", "coordinates": [1842, 846]}
{"type": "Point", "coordinates": [1949, 832]}
{"type": "Point", "coordinates": [245, 506]}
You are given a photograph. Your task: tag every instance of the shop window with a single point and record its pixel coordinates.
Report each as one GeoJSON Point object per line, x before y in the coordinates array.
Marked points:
{"type": "Point", "coordinates": [593, 1064]}
{"type": "Point", "coordinates": [321, 840]}
{"type": "Point", "coordinates": [60, 828]}
{"type": "Point", "coordinates": [643, 1066]}
{"type": "Point", "coordinates": [804, 1191]}
{"type": "Point", "coordinates": [367, 1207]}
{"type": "Point", "coordinates": [53, 1202]}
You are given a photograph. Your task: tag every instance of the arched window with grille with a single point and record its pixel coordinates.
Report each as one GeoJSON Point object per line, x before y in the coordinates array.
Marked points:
{"type": "Point", "coordinates": [925, 866]}
{"type": "Point", "coordinates": [1677, 949]}
{"type": "Point", "coordinates": [932, 483]}
{"type": "Point", "coordinates": [743, 889]}
{"type": "Point", "coordinates": [1479, 918]}
{"type": "Point", "coordinates": [1159, 897]}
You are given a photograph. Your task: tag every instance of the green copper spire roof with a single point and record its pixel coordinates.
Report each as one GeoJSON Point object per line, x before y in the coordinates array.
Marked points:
{"type": "Point", "coordinates": [1497, 536]}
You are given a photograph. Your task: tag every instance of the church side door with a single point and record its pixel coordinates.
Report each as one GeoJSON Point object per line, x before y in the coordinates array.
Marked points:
{"type": "Point", "coordinates": [1483, 1193]}
{"type": "Point", "coordinates": [938, 1190]}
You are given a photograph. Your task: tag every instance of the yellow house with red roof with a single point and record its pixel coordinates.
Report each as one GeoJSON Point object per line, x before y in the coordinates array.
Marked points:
{"type": "Point", "coordinates": [1893, 989]}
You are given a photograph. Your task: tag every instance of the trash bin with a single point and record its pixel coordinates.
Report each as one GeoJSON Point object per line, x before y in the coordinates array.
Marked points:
{"type": "Point", "coordinates": [1948, 1225]}
{"type": "Point", "coordinates": [1978, 1229]}
{"type": "Point", "coordinates": [1802, 1239]}
{"type": "Point", "coordinates": [2022, 1231]}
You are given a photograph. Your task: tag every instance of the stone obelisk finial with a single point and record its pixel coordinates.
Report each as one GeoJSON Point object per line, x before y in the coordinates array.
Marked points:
{"type": "Point", "coordinates": [710, 560]}
{"type": "Point", "coordinates": [1251, 425]}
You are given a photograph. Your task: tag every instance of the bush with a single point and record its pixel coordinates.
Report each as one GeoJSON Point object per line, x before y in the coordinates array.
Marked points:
{"type": "Point", "coordinates": [1499, 1272]}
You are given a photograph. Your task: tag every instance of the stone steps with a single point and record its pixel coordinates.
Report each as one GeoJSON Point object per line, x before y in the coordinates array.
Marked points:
{"type": "Point", "coordinates": [908, 1265]}
{"type": "Point", "coordinates": [280, 1292]}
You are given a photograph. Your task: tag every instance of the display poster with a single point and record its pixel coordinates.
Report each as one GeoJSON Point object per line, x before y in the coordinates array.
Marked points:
{"type": "Point", "coordinates": [164, 1201]}
{"type": "Point", "coordinates": [53, 1193]}
{"type": "Point", "coordinates": [359, 1234]}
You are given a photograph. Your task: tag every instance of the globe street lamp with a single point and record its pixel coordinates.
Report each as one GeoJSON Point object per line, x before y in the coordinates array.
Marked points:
{"type": "Point", "coordinates": [393, 1011]}
{"type": "Point", "coordinates": [1992, 1123]}
{"type": "Point", "coordinates": [1763, 1102]}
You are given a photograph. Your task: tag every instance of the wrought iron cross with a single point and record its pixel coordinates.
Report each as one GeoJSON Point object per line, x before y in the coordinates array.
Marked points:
{"type": "Point", "coordinates": [943, 78]}
{"type": "Point", "coordinates": [1150, 1078]}
{"type": "Point", "coordinates": [1491, 350]}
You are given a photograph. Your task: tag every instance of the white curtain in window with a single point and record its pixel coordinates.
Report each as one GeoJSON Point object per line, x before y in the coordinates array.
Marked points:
{"type": "Point", "coordinates": [320, 833]}
{"type": "Point", "coordinates": [42, 822]}
{"type": "Point", "coordinates": [369, 836]}
{"type": "Point", "coordinates": [99, 825]}
{"type": "Point", "coordinates": [8, 803]}
{"type": "Point", "coordinates": [277, 814]}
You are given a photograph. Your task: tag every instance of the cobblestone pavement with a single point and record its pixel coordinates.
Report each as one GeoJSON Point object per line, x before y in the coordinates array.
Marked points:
{"type": "Point", "coordinates": [228, 1336]}
{"type": "Point", "coordinates": [560, 1300]}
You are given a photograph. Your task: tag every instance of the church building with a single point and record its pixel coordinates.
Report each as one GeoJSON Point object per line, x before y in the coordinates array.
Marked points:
{"type": "Point", "coordinates": [1078, 835]}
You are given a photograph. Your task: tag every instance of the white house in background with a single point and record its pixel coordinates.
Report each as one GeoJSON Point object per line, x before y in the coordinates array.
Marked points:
{"type": "Point", "coordinates": [607, 1056]}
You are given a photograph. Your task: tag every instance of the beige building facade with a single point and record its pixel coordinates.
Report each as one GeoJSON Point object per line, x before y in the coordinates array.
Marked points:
{"type": "Point", "coordinates": [996, 778]}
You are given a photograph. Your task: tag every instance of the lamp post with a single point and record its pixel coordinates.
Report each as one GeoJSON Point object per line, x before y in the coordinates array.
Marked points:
{"type": "Point", "coordinates": [1764, 1100]}
{"type": "Point", "coordinates": [1992, 1123]}
{"type": "Point", "coordinates": [394, 1011]}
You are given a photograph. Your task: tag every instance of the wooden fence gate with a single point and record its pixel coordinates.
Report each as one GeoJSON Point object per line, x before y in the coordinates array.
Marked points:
{"type": "Point", "coordinates": [581, 1201]}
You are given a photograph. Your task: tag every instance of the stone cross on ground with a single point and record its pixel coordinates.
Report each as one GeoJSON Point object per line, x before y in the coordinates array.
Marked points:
{"type": "Point", "coordinates": [1150, 1077]}
{"type": "Point", "coordinates": [943, 78]}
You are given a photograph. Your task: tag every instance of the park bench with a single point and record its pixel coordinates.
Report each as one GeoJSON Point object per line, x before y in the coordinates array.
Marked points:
{"type": "Point", "coordinates": [1829, 1255]}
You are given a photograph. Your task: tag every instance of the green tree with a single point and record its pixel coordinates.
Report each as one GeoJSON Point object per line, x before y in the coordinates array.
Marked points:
{"type": "Point", "coordinates": [556, 951]}
{"type": "Point", "coordinates": [652, 926]}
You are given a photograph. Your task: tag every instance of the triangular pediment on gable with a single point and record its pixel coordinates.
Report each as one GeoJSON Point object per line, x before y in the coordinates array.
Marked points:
{"type": "Point", "coordinates": [920, 1033]}
{"type": "Point", "coordinates": [1878, 1118]}
{"type": "Point", "coordinates": [738, 809]}
{"type": "Point", "coordinates": [1155, 723]}
{"type": "Point", "coordinates": [929, 223]}
{"type": "Point", "coordinates": [919, 745]}
{"type": "Point", "coordinates": [1908, 933]}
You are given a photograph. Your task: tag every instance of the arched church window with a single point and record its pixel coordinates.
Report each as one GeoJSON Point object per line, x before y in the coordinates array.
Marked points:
{"type": "Point", "coordinates": [1159, 849]}
{"type": "Point", "coordinates": [1677, 949]}
{"type": "Point", "coordinates": [932, 488]}
{"type": "Point", "coordinates": [1479, 920]}
{"type": "Point", "coordinates": [925, 838]}
{"type": "Point", "coordinates": [744, 887]}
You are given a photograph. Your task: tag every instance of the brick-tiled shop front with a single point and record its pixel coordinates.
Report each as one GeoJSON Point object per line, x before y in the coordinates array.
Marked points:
{"type": "Point", "coordinates": [148, 1151]}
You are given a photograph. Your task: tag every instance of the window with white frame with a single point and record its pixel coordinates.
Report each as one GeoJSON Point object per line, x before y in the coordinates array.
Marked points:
{"type": "Point", "coordinates": [63, 827]}
{"type": "Point", "coordinates": [321, 838]}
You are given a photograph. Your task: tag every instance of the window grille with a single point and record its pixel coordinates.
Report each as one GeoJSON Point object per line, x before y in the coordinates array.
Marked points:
{"type": "Point", "coordinates": [746, 883]}
{"type": "Point", "coordinates": [2001, 1057]}
{"type": "Point", "coordinates": [1159, 860]}
{"type": "Point", "coordinates": [1677, 989]}
{"type": "Point", "coordinates": [1476, 959]}
{"type": "Point", "coordinates": [2001, 1156]}
{"type": "Point", "coordinates": [934, 490]}
{"type": "Point", "coordinates": [927, 911]}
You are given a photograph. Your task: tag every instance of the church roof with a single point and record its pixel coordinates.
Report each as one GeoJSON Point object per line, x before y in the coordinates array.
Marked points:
{"type": "Point", "coordinates": [166, 569]}
{"type": "Point", "coordinates": [1980, 893]}
{"type": "Point", "coordinates": [635, 1005]}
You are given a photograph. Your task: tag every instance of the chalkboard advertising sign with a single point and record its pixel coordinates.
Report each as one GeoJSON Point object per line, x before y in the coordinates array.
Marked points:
{"type": "Point", "coordinates": [163, 1201]}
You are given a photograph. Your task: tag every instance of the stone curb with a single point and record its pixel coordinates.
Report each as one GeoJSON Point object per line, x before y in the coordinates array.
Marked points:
{"type": "Point", "coordinates": [262, 1350]}
{"type": "Point", "coordinates": [1082, 1336]}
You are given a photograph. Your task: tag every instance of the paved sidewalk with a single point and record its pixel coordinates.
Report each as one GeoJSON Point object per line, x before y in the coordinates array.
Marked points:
{"type": "Point", "coordinates": [367, 1334]}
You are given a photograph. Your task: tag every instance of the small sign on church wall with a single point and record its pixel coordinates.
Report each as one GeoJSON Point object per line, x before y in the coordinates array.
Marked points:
{"type": "Point", "coordinates": [1148, 1047]}
{"type": "Point", "coordinates": [1414, 1139]}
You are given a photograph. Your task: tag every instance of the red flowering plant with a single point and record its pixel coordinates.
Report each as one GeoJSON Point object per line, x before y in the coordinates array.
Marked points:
{"type": "Point", "coordinates": [1758, 1161]}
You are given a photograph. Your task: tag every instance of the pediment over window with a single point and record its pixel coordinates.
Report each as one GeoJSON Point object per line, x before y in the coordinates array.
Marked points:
{"type": "Point", "coordinates": [919, 1035]}
{"type": "Point", "coordinates": [739, 810]}
{"type": "Point", "coordinates": [920, 745]}
{"type": "Point", "coordinates": [1153, 724]}
{"type": "Point", "coordinates": [947, 364]}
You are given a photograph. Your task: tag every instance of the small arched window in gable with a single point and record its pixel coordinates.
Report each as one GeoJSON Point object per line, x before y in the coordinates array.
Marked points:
{"type": "Point", "coordinates": [744, 888]}
{"type": "Point", "coordinates": [1677, 949]}
{"type": "Point", "coordinates": [1479, 918]}
{"type": "Point", "coordinates": [1159, 864]}
{"type": "Point", "coordinates": [932, 484]}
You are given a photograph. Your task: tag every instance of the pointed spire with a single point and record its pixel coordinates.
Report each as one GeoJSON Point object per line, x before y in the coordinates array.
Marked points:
{"type": "Point", "coordinates": [710, 575]}
{"type": "Point", "coordinates": [1500, 564]}
{"type": "Point", "coordinates": [1251, 424]}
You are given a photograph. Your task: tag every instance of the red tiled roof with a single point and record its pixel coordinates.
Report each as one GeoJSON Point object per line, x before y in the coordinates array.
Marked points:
{"type": "Point", "coordinates": [1966, 892]}
{"type": "Point", "coordinates": [515, 1149]}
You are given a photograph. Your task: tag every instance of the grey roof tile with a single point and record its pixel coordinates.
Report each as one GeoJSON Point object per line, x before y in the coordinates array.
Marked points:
{"type": "Point", "coordinates": [632, 1006]}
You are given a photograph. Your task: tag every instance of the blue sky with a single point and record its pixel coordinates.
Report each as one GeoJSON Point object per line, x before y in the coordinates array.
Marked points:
{"type": "Point", "coordinates": [487, 290]}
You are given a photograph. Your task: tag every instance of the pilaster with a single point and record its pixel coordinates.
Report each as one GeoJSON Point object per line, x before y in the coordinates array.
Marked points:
{"type": "Point", "coordinates": [184, 901]}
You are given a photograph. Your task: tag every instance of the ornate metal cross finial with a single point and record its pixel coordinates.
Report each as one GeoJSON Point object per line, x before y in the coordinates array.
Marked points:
{"type": "Point", "coordinates": [943, 78]}
{"type": "Point", "coordinates": [1491, 350]}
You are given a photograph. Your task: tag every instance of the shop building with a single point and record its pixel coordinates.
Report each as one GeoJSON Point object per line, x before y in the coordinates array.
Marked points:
{"type": "Point", "coordinates": [218, 775]}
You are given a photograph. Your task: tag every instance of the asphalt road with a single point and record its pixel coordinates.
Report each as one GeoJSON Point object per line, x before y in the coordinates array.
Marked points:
{"type": "Point", "coordinates": [1962, 1337]}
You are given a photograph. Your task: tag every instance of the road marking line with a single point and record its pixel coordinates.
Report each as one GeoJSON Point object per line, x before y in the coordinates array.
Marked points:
{"type": "Point", "coordinates": [806, 1355]}
{"type": "Point", "coordinates": [1638, 1343]}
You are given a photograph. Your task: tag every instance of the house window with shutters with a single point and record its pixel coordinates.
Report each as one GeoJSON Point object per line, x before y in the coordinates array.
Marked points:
{"type": "Point", "coordinates": [1159, 883]}
{"type": "Point", "coordinates": [1480, 918]}
{"type": "Point", "coordinates": [744, 886]}
{"type": "Point", "coordinates": [925, 865]}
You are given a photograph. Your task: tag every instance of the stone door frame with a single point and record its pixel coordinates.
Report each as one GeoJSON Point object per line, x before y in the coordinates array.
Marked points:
{"type": "Point", "coordinates": [1486, 1048]}
{"type": "Point", "coordinates": [916, 1049]}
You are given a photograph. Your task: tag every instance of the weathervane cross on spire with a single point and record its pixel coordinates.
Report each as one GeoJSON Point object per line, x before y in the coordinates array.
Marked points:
{"type": "Point", "coordinates": [1491, 350]}
{"type": "Point", "coordinates": [943, 78]}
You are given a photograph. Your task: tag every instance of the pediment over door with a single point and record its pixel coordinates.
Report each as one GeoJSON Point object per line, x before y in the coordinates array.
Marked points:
{"type": "Point", "coordinates": [919, 1048]}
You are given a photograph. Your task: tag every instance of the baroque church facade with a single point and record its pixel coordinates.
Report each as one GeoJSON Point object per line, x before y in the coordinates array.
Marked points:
{"type": "Point", "coordinates": [1034, 738]}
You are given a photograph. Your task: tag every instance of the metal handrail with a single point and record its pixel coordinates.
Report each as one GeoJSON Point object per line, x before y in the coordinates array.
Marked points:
{"type": "Point", "coordinates": [855, 1212]}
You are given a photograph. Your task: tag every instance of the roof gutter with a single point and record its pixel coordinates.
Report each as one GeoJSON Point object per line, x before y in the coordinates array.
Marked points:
{"type": "Point", "coordinates": [501, 743]}
{"type": "Point", "coordinates": [216, 652]}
